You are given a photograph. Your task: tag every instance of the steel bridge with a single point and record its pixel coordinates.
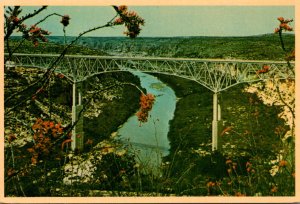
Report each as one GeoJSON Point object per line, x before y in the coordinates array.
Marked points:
{"type": "Point", "coordinates": [215, 74]}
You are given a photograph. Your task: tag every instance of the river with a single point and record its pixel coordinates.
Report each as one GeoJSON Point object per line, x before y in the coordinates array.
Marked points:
{"type": "Point", "coordinates": [150, 140]}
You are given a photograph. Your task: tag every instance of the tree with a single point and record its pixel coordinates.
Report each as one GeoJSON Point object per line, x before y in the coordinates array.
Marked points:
{"type": "Point", "coordinates": [47, 134]}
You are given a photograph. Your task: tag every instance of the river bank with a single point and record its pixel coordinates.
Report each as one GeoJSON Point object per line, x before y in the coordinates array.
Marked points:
{"type": "Point", "coordinates": [150, 138]}
{"type": "Point", "coordinates": [108, 110]}
{"type": "Point", "coordinates": [248, 135]}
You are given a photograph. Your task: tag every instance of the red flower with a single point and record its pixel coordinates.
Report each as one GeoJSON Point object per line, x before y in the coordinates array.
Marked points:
{"type": "Point", "coordinates": [131, 20]}
{"type": "Point", "coordinates": [11, 138]}
{"type": "Point", "coordinates": [290, 56]}
{"type": "Point", "coordinates": [284, 25]}
{"type": "Point", "coordinates": [15, 19]}
{"type": "Point", "coordinates": [281, 19]}
{"type": "Point", "coordinates": [274, 189]}
{"type": "Point", "coordinates": [31, 150]}
{"type": "Point", "coordinates": [34, 29]}
{"type": "Point", "coordinates": [283, 163]}
{"type": "Point", "coordinates": [118, 21]}
{"type": "Point", "coordinates": [228, 161]}
{"type": "Point", "coordinates": [146, 104]}
{"type": "Point", "coordinates": [239, 194]}
{"type": "Point", "coordinates": [210, 184]}
{"type": "Point", "coordinates": [226, 130]}
{"type": "Point", "coordinates": [61, 76]}
{"type": "Point", "coordinates": [10, 172]}
{"type": "Point", "coordinates": [65, 20]}
{"type": "Point", "coordinates": [35, 43]}
{"type": "Point", "coordinates": [264, 69]}
{"type": "Point", "coordinates": [122, 8]}
{"type": "Point", "coordinates": [64, 142]}
{"type": "Point", "coordinates": [89, 142]}
{"type": "Point", "coordinates": [33, 160]}
{"type": "Point", "coordinates": [277, 30]}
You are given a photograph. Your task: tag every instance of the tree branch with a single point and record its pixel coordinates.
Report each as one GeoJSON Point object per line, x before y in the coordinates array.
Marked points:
{"type": "Point", "coordinates": [52, 14]}
{"type": "Point", "coordinates": [44, 79]}
{"type": "Point", "coordinates": [11, 28]}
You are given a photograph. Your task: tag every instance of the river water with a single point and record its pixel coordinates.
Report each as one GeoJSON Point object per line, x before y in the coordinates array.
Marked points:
{"type": "Point", "coordinates": [150, 140]}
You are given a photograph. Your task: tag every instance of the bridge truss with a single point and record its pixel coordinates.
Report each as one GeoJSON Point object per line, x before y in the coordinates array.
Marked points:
{"type": "Point", "coordinates": [215, 74]}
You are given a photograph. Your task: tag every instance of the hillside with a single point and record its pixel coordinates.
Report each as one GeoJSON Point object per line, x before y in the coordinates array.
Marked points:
{"type": "Point", "coordinates": [261, 47]}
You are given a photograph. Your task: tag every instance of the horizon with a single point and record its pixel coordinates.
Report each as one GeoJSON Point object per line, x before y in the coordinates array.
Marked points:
{"type": "Point", "coordinates": [206, 36]}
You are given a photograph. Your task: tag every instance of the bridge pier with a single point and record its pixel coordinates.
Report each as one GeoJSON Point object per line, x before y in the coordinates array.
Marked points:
{"type": "Point", "coordinates": [216, 121]}
{"type": "Point", "coordinates": [77, 118]}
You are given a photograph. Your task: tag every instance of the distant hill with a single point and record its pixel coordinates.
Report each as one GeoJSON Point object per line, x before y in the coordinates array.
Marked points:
{"type": "Point", "coordinates": [259, 47]}
{"type": "Point", "coordinates": [52, 47]}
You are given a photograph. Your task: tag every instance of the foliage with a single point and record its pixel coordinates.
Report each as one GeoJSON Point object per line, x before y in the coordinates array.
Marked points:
{"type": "Point", "coordinates": [146, 104]}
{"type": "Point", "coordinates": [256, 158]}
{"type": "Point", "coordinates": [257, 154]}
{"type": "Point", "coordinates": [131, 20]}
{"type": "Point", "coordinates": [44, 134]}
{"type": "Point", "coordinates": [49, 138]}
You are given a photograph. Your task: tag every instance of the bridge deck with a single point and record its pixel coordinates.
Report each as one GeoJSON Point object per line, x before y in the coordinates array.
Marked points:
{"type": "Point", "coordinates": [215, 74]}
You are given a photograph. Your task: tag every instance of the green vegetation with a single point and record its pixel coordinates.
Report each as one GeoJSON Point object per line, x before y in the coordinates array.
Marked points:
{"type": "Point", "coordinates": [50, 48]}
{"type": "Point", "coordinates": [115, 103]}
{"type": "Point", "coordinates": [252, 138]}
{"type": "Point", "coordinates": [123, 103]}
{"type": "Point", "coordinates": [58, 98]}
{"type": "Point", "coordinates": [252, 160]}
{"type": "Point", "coordinates": [261, 47]}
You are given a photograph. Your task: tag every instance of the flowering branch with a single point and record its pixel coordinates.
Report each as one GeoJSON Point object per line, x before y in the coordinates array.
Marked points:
{"type": "Point", "coordinates": [284, 26]}
{"type": "Point", "coordinates": [13, 21]}
{"type": "Point", "coordinates": [33, 34]}
{"type": "Point", "coordinates": [45, 78]}
{"type": "Point", "coordinates": [131, 20]}
{"type": "Point", "coordinates": [146, 104]}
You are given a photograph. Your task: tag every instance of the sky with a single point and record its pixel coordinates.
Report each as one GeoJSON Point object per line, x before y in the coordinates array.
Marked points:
{"type": "Point", "coordinates": [168, 21]}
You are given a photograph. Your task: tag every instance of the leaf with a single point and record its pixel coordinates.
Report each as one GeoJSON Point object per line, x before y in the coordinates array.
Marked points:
{"type": "Point", "coordinates": [64, 142]}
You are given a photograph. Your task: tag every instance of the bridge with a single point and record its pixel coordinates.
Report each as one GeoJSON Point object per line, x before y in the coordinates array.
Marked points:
{"type": "Point", "coordinates": [215, 74]}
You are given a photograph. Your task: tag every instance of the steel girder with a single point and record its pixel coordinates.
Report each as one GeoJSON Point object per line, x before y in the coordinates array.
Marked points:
{"type": "Point", "coordinates": [216, 75]}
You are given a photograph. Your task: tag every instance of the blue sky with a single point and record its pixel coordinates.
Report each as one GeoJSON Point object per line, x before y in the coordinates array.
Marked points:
{"type": "Point", "coordinates": [166, 21]}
